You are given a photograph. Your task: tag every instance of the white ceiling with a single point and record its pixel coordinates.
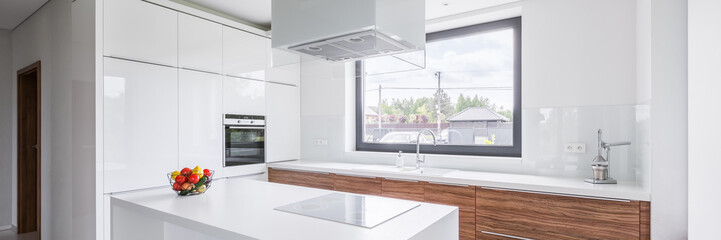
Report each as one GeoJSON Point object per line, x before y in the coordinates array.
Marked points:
{"type": "Point", "coordinates": [13, 12]}
{"type": "Point", "coordinates": [258, 12]}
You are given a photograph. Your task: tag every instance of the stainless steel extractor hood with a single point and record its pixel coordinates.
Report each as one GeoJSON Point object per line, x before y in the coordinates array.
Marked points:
{"type": "Point", "coordinates": [342, 30]}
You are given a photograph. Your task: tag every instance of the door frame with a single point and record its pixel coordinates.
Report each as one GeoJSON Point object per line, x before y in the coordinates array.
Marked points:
{"type": "Point", "coordinates": [30, 69]}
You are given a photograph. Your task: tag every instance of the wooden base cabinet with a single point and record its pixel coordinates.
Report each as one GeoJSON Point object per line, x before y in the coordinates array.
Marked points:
{"type": "Point", "coordinates": [403, 189]}
{"type": "Point", "coordinates": [463, 197]}
{"type": "Point", "coordinates": [357, 184]}
{"type": "Point", "coordinates": [298, 178]}
{"type": "Point", "coordinates": [546, 216]}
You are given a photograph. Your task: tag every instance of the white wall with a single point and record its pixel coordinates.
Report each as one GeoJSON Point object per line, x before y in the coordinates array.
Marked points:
{"type": "Point", "coordinates": [67, 117]}
{"type": "Point", "coordinates": [570, 68]}
{"type": "Point", "coordinates": [704, 58]}
{"type": "Point", "coordinates": [668, 122]}
{"type": "Point", "coordinates": [5, 129]}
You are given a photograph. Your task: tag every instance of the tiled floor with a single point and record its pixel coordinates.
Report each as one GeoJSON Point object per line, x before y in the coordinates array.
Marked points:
{"type": "Point", "coordinates": [10, 235]}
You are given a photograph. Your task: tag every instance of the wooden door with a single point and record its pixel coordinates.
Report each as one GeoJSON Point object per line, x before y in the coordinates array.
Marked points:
{"type": "Point", "coordinates": [298, 178]}
{"type": "Point", "coordinates": [461, 196]}
{"type": "Point", "coordinates": [403, 189]}
{"type": "Point", "coordinates": [28, 171]}
{"type": "Point", "coordinates": [357, 184]}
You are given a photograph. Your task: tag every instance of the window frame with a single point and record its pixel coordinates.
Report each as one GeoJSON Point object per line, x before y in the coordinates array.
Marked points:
{"type": "Point", "coordinates": [491, 151]}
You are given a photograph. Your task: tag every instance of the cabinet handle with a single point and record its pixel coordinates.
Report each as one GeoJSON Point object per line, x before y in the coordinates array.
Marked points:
{"type": "Point", "coordinates": [450, 184]}
{"type": "Point", "coordinates": [352, 175]}
{"type": "Point", "coordinates": [303, 171]}
{"type": "Point", "coordinates": [558, 194]}
{"type": "Point", "coordinates": [402, 180]}
{"type": "Point", "coordinates": [505, 235]}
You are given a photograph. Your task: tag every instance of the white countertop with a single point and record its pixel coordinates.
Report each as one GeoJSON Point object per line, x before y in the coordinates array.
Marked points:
{"type": "Point", "coordinates": [557, 185]}
{"type": "Point", "coordinates": [238, 208]}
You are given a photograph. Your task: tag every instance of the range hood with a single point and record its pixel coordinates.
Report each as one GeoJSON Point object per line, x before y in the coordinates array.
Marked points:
{"type": "Point", "coordinates": [345, 30]}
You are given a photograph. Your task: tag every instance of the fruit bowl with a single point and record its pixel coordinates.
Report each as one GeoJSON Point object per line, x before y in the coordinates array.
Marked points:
{"type": "Point", "coordinates": [186, 186]}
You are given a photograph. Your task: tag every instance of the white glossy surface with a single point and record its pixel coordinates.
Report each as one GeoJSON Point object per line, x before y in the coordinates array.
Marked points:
{"type": "Point", "coordinates": [282, 140]}
{"type": "Point", "coordinates": [228, 211]}
{"type": "Point", "coordinates": [283, 67]}
{"type": "Point", "coordinates": [244, 55]}
{"type": "Point", "coordinates": [572, 186]}
{"type": "Point", "coordinates": [141, 124]}
{"type": "Point", "coordinates": [406, 170]}
{"type": "Point", "coordinates": [200, 44]}
{"type": "Point", "coordinates": [200, 129]}
{"type": "Point", "coordinates": [243, 96]}
{"type": "Point", "coordinates": [139, 30]}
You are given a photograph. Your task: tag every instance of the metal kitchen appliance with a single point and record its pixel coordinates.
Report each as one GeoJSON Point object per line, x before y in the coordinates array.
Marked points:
{"type": "Point", "coordinates": [244, 140]}
{"type": "Point", "coordinates": [602, 166]}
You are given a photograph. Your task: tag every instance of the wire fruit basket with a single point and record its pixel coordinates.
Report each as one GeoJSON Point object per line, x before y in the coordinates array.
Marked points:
{"type": "Point", "coordinates": [187, 187]}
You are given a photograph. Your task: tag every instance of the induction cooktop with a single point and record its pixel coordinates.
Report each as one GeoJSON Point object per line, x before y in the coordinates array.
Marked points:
{"type": "Point", "coordinates": [358, 210]}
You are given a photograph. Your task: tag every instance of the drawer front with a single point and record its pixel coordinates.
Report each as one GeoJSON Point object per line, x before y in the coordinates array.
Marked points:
{"type": "Point", "coordinates": [306, 179]}
{"type": "Point", "coordinates": [463, 197]}
{"type": "Point", "coordinates": [409, 190]}
{"type": "Point", "coordinates": [541, 216]}
{"type": "Point", "coordinates": [360, 185]}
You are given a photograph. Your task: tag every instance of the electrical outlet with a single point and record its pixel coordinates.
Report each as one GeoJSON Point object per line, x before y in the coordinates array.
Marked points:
{"type": "Point", "coordinates": [321, 142]}
{"type": "Point", "coordinates": [574, 148]}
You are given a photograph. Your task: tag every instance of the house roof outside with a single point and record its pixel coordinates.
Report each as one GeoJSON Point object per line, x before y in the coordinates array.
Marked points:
{"type": "Point", "coordinates": [370, 112]}
{"type": "Point", "coordinates": [477, 114]}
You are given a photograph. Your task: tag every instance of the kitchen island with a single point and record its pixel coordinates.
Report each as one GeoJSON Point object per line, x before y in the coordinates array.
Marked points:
{"type": "Point", "coordinates": [245, 209]}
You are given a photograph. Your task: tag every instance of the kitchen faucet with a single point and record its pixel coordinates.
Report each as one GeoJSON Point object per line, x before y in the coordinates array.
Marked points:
{"type": "Point", "coordinates": [418, 147]}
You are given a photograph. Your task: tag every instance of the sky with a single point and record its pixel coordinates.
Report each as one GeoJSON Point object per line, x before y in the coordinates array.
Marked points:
{"type": "Point", "coordinates": [480, 60]}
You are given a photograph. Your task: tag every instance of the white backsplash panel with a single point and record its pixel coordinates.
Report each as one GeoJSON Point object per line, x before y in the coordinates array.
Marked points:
{"type": "Point", "coordinates": [545, 132]}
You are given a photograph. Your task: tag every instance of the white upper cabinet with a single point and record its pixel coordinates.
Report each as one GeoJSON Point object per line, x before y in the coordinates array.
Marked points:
{"type": "Point", "coordinates": [138, 30]}
{"type": "Point", "coordinates": [282, 123]}
{"type": "Point", "coordinates": [243, 96]}
{"type": "Point", "coordinates": [200, 120]}
{"type": "Point", "coordinates": [200, 45]}
{"type": "Point", "coordinates": [140, 131]}
{"type": "Point", "coordinates": [283, 67]}
{"type": "Point", "coordinates": [244, 54]}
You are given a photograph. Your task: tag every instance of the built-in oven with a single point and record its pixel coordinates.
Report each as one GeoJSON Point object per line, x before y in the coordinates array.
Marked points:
{"type": "Point", "coordinates": [244, 140]}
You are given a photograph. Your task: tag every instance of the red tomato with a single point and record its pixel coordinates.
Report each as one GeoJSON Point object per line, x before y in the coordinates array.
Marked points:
{"type": "Point", "coordinates": [176, 186]}
{"type": "Point", "coordinates": [180, 179]}
{"type": "Point", "coordinates": [193, 178]}
{"type": "Point", "coordinates": [206, 172]}
{"type": "Point", "coordinates": [185, 171]}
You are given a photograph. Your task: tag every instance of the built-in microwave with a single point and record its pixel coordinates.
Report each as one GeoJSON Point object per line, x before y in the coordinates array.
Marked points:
{"type": "Point", "coordinates": [244, 140]}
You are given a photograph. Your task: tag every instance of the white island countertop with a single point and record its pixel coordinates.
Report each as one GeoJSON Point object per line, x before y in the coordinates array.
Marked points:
{"type": "Point", "coordinates": [542, 184]}
{"type": "Point", "coordinates": [244, 209]}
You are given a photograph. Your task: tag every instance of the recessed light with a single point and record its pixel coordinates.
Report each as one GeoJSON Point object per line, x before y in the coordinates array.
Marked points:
{"type": "Point", "coordinates": [356, 40]}
{"type": "Point", "coordinates": [446, 3]}
{"type": "Point", "coordinates": [314, 49]}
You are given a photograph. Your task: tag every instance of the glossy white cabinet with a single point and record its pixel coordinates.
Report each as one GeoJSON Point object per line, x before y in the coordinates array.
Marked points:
{"type": "Point", "coordinates": [200, 121]}
{"type": "Point", "coordinates": [244, 54]}
{"type": "Point", "coordinates": [243, 96]}
{"type": "Point", "coordinates": [282, 123]}
{"type": "Point", "coordinates": [140, 131]}
{"type": "Point", "coordinates": [283, 67]}
{"type": "Point", "coordinates": [200, 44]}
{"type": "Point", "coordinates": [138, 30]}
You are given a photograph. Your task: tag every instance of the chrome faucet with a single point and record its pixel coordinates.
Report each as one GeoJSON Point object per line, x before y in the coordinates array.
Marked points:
{"type": "Point", "coordinates": [418, 147]}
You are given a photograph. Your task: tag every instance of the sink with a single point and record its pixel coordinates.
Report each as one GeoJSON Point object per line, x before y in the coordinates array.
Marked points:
{"type": "Point", "coordinates": [406, 170]}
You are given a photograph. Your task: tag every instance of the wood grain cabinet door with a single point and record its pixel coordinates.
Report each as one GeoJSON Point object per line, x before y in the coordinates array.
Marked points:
{"type": "Point", "coordinates": [357, 184]}
{"type": "Point", "coordinates": [544, 216]}
{"type": "Point", "coordinates": [403, 189]}
{"type": "Point", "coordinates": [298, 178]}
{"type": "Point", "coordinates": [463, 197]}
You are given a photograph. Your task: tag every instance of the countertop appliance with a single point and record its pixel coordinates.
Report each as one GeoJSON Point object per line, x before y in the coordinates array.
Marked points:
{"type": "Point", "coordinates": [358, 210]}
{"type": "Point", "coordinates": [602, 166]}
{"type": "Point", "coordinates": [244, 140]}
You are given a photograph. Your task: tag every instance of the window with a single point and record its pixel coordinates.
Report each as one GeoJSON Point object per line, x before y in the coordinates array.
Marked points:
{"type": "Point", "coordinates": [468, 96]}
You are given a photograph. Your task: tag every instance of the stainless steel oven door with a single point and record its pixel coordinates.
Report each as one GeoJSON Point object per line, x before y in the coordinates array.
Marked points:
{"type": "Point", "coordinates": [244, 145]}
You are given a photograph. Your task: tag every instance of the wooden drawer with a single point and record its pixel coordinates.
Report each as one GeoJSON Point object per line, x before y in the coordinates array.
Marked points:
{"type": "Point", "coordinates": [360, 185]}
{"type": "Point", "coordinates": [463, 197]}
{"type": "Point", "coordinates": [403, 189]}
{"type": "Point", "coordinates": [306, 179]}
{"type": "Point", "coordinates": [542, 216]}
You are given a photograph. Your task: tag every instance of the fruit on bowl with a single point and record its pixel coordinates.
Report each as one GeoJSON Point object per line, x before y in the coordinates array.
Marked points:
{"type": "Point", "coordinates": [190, 181]}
